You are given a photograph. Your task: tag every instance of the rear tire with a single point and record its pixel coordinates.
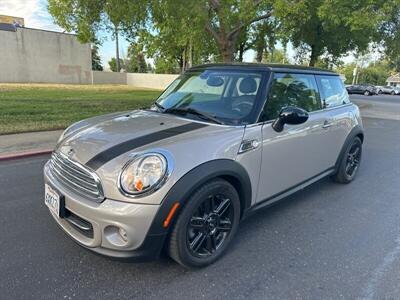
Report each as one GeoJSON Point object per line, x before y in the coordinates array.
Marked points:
{"type": "Point", "coordinates": [367, 93]}
{"type": "Point", "coordinates": [350, 162]}
{"type": "Point", "coordinates": [206, 225]}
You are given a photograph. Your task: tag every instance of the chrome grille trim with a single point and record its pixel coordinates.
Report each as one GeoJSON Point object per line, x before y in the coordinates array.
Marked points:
{"type": "Point", "coordinates": [76, 177]}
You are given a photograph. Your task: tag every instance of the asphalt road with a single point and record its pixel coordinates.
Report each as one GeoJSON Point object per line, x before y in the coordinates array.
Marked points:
{"type": "Point", "coordinates": [328, 241]}
{"type": "Point", "coordinates": [378, 106]}
{"type": "Point", "coordinates": [379, 98]}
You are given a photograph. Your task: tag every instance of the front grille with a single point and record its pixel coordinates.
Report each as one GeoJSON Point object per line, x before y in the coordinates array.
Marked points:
{"type": "Point", "coordinates": [76, 177]}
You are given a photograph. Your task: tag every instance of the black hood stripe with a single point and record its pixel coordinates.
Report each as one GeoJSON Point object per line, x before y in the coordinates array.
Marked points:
{"type": "Point", "coordinates": [103, 157]}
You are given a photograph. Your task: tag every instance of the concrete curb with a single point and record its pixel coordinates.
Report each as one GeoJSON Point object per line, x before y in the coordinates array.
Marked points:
{"type": "Point", "coordinates": [24, 154]}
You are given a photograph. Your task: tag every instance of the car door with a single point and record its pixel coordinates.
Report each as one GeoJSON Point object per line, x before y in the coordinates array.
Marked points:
{"type": "Point", "coordinates": [334, 102]}
{"type": "Point", "coordinates": [300, 152]}
{"type": "Point", "coordinates": [359, 89]}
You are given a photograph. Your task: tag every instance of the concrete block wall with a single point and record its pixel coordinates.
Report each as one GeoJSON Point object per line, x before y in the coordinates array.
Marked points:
{"type": "Point", "coordinates": [148, 80]}
{"type": "Point", "coordinates": [100, 77]}
{"type": "Point", "coordinates": [38, 56]}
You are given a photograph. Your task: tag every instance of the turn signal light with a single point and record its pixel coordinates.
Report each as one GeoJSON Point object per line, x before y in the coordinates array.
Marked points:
{"type": "Point", "coordinates": [170, 214]}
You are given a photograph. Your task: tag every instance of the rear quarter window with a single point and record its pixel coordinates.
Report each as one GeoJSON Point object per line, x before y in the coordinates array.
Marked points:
{"type": "Point", "coordinates": [332, 90]}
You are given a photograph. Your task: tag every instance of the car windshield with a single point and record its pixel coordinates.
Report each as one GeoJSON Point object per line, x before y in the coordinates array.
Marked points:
{"type": "Point", "coordinates": [219, 96]}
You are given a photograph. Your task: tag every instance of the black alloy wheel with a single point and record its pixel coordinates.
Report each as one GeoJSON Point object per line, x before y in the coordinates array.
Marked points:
{"type": "Point", "coordinates": [353, 159]}
{"type": "Point", "coordinates": [206, 225]}
{"type": "Point", "coordinates": [210, 225]}
{"type": "Point", "coordinates": [349, 162]}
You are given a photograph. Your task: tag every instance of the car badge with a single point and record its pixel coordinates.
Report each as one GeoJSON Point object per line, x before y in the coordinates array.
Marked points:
{"type": "Point", "coordinates": [70, 152]}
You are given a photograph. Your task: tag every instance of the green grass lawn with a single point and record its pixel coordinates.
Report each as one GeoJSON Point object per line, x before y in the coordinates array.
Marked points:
{"type": "Point", "coordinates": [36, 107]}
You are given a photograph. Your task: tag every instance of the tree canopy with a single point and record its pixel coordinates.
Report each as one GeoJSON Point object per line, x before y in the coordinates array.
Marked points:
{"type": "Point", "coordinates": [180, 33]}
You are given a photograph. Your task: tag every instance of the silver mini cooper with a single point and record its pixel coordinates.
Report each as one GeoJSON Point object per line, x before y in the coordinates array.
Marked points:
{"type": "Point", "coordinates": [220, 142]}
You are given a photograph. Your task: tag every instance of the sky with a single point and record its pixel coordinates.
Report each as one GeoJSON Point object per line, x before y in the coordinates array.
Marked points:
{"type": "Point", "coordinates": [36, 16]}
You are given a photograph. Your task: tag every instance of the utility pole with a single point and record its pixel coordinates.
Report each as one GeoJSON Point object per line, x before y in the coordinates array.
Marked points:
{"type": "Point", "coordinates": [117, 48]}
{"type": "Point", "coordinates": [355, 73]}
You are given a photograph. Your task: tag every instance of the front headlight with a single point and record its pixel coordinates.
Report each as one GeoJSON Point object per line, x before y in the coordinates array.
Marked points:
{"type": "Point", "coordinates": [143, 174]}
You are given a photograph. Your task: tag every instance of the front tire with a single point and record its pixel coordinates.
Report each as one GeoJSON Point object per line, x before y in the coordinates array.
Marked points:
{"type": "Point", "coordinates": [206, 226]}
{"type": "Point", "coordinates": [367, 93]}
{"type": "Point", "coordinates": [350, 162]}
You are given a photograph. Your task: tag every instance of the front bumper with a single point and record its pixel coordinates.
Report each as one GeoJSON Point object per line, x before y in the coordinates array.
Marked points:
{"type": "Point", "coordinates": [96, 226]}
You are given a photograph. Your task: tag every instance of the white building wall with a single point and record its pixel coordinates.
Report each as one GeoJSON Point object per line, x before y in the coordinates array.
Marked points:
{"type": "Point", "coordinates": [30, 56]}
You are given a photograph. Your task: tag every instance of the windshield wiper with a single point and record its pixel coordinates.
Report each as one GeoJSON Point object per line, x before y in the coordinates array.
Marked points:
{"type": "Point", "coordinates": [159, 106]}
{"type": "Point", "coordinates": [193, 111]}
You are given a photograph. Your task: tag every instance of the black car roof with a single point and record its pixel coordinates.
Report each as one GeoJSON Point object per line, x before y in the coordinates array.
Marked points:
{"type": "Point", "coordinates": [268, 67]}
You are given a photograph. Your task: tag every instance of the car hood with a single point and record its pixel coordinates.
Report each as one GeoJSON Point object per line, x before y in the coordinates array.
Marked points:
{"type": "Point", "coordinates": [95, 142]}
{"type": "Point", "coordinates": [97, 135]}
{"type": "Point", "coordinates": [105, 144]}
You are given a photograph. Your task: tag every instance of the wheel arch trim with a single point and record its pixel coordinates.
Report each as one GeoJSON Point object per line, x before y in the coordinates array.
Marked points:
{"type": "Point", "coordinates": [227, 169]}
{"type": "Point", "coordinates": [356, 131]}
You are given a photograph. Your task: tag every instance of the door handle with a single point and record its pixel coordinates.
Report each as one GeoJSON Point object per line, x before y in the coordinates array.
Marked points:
{"type": "Point", "coordinates": [327, 124]}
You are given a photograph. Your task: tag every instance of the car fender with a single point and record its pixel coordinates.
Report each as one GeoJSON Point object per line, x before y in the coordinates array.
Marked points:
{"type": "Point", "coordinates": [181, 191]}
{"type": "Point", "coordinates": [355, 131]}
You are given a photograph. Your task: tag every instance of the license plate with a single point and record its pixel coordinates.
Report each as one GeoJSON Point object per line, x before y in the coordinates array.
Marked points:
{"type": "Point", "coordinates": [52, 200]}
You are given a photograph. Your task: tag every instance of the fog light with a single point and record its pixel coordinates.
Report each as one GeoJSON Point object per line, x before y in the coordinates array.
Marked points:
{"type": "Point", "coordinates": [123, 234]}
{"type": "Point", "coordinates": [116, 236]}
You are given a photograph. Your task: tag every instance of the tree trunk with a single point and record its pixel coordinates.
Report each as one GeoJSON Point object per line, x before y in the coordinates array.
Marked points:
{"type": "Point", "coordinates": [117, 49]}
{"type": "Point", "coordinates": [260, 53]}
{"type": "Point", "coordinates": [190, 63]}
{"type": "Point", "coordinates": [184, 61]}
{"type": "Point", "coordinates": [260, 46]}
{"type": "Point", "coordinates": [227, 55]}
{"type": "Point", "coordinates": [241, 52]}
{"type": "Point", "coordinates": [314, 56]}
{"type": "Point", "coordinates": [180, 62]}
{"type": "Point", "coordinates": [227, 48]}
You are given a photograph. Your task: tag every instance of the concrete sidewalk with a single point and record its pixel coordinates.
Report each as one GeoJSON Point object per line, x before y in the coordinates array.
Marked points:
{"type": "Point", "coordinates": [27, 144]}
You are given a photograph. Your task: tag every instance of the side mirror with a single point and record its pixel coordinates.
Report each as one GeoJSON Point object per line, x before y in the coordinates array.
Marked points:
{"type": "Point", "coordinates": [290, 115]}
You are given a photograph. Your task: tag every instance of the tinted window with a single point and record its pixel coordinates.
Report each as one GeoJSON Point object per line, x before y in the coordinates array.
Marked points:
{"type": "Point", "coordinates": [291, 90]}
{"type": "Point", "coordinates": [332, 90]}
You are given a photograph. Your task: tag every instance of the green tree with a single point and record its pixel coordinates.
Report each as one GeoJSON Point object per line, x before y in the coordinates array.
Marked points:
{"type": "Point", "coordinates": [223, 21]}
{"type": "Point", "coordinates": [96, 60]}
{"type": "Point", "coordinates": [332, 27]}
{"type": "Point", "coordinates": [265, 36]}
{"type": "Point", "coordinates": [164, 65]}
{"type": "Point", "coordinates": [375, 73]}
{"type": "Point", "coordinates": [135, 62]}
{"type": "Point", "coordinates": [389, 32]}
{"type": "Point", "coordinates": [176, 37]}
{"type": "Point", "coordinates": [347, 71]}
{"type": "Point", "coordinates": [276, 56]}
{"type": "Point", "coordinates": [114, 66]}
{"type": "Point", "coordinates": [244, 44]}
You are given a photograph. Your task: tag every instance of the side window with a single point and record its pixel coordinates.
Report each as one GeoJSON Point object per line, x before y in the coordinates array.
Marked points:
{"type": "Point", "coordinates": [291, 90]}
{"type": "Point", "coordinates": [333, 92]}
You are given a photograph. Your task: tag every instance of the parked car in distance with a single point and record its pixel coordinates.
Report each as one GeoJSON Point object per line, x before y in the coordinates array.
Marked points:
{"type": "Point", "coordinates": [222, 141]}
{"type": "Point", "coordinates": [362, 89]}
{"type": "Point", "coordinates": [388, 90]}
{"type": "Point", "coordinates": [378, 89]}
